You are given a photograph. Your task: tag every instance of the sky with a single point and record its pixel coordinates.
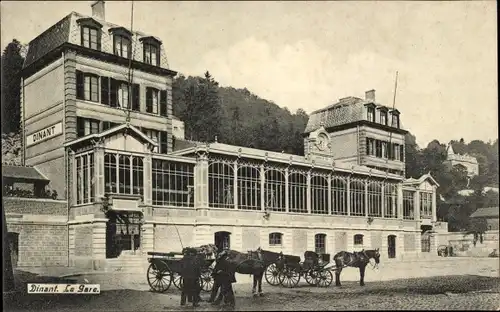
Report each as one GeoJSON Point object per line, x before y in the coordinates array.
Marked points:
{"type": "Point", "coordinates": [309, 54]}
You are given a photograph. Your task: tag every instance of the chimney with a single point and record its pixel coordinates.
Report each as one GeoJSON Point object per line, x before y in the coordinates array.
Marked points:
{"type": "Point", "coordinates": [370, 95]}
{"type": "Point", "coordinates": [98, 10]}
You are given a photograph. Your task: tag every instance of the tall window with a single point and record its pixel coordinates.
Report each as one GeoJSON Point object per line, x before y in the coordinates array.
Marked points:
{"type": "Point", "coordinates": [249, 187]}
{"type": "Point", "coordinates": [320, 243]}
{"type": "Point", "coordinates": [122, 46]}
{"type": "Point", "coordinates": [390, 201]}
{"type": "Point", "coordinates": [151, 54]}
{"type": "Point", "coordinates": [124, 174]}
{"type": "Point", "coordinates": [384, 149]}
{"type": "Point", "coordinates": [319, 195]}
{"type": "Point", "coordinates": [87, 86]}
{"type": "Point", "coordinates": [374, 200]}
{"type": "Point", "coordinates": [110, 175]}
{"type": "Point", "coordinates": [85, 188]}
{"type": "Point", "coordinates": [297, 183]}
{"type": "Point", "coordinates": [357, 197]}
{"type": "Point", "coordinates": [425, 205]}
{"type": "Point", "coordinates": [220, 185]}
{"type": "Point", "coordinates": [378, 148]}
{"type": "Point", "coordinates": [275, 190]}
{"type": "Point", "coordinates": [383, 117]}
{"type": "Point", "coordinates": [339, 197]}
{"type": "Point", "coordinates": [395, 120]}
{"type": "Point", "coordinates": [90, 37]}
{"type": "Point", "coordinates": [275, 239]}
{"type": "Point", "coordinates": [408, 205]}
{"type": "Point", "coordinates": [173, 183]}
{"type": "Point", "coordinates": [138, 176]}
{"type": "Point", "coordinates": [370, 147]}
{"type": "Point", "coordinates": [371, 114]}
{"type": "Point", "coordinates": [152, 100]}
{"type": "Point", "coordinates": [153, 135]}
{"type": "Point", "coordinates": [397, 152]}
{"type": "Point", "coordinates": [122, 95]}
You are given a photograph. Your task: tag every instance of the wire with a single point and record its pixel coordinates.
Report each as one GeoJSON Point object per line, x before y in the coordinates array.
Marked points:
{"type": "Point", "coordinates": [392, 118]}
{"type": "Point", "coordinates": [130, 71]}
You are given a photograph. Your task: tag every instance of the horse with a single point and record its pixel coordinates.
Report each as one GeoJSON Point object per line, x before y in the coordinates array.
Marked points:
{"type": "Point", "coordinates": [355, 260]}
{"type": "Point", "coordinates": [210, 250]}
{"type": "Point", "coordinates": [251, 263]}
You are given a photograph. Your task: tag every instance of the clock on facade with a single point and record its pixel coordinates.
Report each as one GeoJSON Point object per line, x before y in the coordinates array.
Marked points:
{"type": "Point", "coordinates": [322, 142]}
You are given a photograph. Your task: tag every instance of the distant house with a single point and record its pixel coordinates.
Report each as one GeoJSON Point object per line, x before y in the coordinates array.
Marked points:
{"type": "Point", "coordinates": [490, 214]}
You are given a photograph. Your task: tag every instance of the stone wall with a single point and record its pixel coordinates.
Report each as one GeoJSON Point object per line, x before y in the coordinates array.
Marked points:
{"type": "Point", "coordinates": [40, 230]}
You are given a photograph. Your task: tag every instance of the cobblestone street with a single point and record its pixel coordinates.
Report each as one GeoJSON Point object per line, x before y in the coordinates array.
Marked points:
{"type": "Point", "coordinates": [383, 291]}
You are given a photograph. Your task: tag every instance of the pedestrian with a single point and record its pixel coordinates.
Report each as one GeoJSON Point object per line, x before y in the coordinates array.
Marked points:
{"type": "Point", "coordinates": [190, 274]}
{"type": "Point", "coordinates": [224, 281]}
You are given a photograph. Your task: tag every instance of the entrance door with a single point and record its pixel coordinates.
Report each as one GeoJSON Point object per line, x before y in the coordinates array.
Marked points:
{"type": "Point", "coordinates": [222, 240]}
{"type": "Point", "coordinates": [123, 232]}
{"type": "Point", "coordinates": [426, 238]}
{"type": "Point", "coordinates": [13, 241]}
{"type": "Point", "coordinates": [391, 246]}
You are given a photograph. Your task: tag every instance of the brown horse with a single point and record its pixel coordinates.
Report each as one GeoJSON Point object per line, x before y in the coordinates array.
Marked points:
{"type": "Point", "coordinates": [252, 263]}
{"type": "Point", "coordinates": [359, 260]}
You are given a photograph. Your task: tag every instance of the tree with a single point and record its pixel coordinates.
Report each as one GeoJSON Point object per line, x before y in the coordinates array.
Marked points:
{"type": "Point", "coordinates": [12, 63]}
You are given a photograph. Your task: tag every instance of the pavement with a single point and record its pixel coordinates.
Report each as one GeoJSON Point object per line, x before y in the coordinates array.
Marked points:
{"type": "Point", "coordinates": [455, 283]}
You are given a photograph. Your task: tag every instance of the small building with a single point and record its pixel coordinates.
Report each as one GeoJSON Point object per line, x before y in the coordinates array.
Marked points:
{"type": "Point", "coordinates": [490, 214]}
{"type": "Point", "coordinates": [468, 162]}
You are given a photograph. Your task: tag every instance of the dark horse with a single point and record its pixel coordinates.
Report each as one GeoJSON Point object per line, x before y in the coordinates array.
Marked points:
{"type": "Point", "coordinates": [252, 263]}
{"type": "Point", "coordinates": [359, 260]}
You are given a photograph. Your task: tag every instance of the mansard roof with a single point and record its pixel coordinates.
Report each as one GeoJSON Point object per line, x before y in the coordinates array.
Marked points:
{"type": "Point", "coordinates": [67, 33]}
{"type": "Point", "coordinates": [346, 111]}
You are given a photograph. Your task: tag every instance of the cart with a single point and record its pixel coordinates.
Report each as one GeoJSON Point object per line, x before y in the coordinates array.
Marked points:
{"type": "Point", "coordinates": [314, 269]}
{"type": "Point", "coordinates": [164, 269]}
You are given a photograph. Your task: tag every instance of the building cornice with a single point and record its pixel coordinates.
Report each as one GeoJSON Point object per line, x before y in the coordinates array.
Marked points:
{"type": "Point", "coordinates": [99, 55]}
{"type": "Point", "coordinates": [362, 123]}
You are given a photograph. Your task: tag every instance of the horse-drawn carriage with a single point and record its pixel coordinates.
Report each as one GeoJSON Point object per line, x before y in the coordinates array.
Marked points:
{"type": "Point", "coordinates": [165, 268]}
{"type": "Point", "coordinates": [288, 270]}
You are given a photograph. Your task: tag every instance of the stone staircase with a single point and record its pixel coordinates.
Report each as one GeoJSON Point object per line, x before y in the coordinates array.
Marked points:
{"type": "Point", "coordinates": [128, 262]}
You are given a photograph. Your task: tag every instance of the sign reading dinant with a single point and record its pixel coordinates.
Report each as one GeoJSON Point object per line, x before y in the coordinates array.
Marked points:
{"type": "Point", "coordinates": [44, 134]}
{"type": "Point", "coordinates": [85, 289]}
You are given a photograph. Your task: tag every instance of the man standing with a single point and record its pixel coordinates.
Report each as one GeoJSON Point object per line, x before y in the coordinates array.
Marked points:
{"type": "Point", "coordinates": [190, 274]}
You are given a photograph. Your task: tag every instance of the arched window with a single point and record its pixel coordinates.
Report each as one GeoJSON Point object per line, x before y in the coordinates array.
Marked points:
{"type": "Point", "coordinates": [374, 200]}
{"type": "Point", "coordinates": [320, 243]}
{"type": "Point", "coordinates": [249, 188]}
{"type": "Point", "coordinates": [358, 240]}
{"type": "Point", "coordinates": [319, 195]}
{"type": "Point", "coordinates": [339, 197]}
{"type": "Point", "coordinates": [297, 182]}
{"type": "Point", "coordinates": [275, 239]}
{"type": "Point", "coordinates": [357, 197]}
{"type": "Point", "coordinates": [220, 185]}
{"type": "Point", "coordinates": [275, 190]}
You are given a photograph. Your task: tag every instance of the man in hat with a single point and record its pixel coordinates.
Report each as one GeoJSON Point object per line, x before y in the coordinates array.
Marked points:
{"type": "Point", "coordinates": [190, 274]}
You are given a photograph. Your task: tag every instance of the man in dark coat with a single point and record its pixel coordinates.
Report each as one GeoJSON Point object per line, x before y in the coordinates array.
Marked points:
{"type": "Point", "coordinates": [190, 274]}
{"type": "Point", "coordinates": [223, 280]}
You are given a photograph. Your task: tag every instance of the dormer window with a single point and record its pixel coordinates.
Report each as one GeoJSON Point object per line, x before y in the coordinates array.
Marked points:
{"type": "Point", "coordinates": [395, 119]}
{"type": "Point", "coordinates": [151, 50]}
{"type": "Point", "coordinates": [383, 117]}
{"type": "Point", "coordinates": [121, 41]}
{"type": "Point", "coordinates": [122, 46]}
{"type": "Point", "coordinates": [90, 33]}
{"type": "Point", "coordinates": [371, 113]}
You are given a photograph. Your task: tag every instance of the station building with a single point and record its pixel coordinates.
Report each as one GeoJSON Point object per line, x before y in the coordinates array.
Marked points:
{"type": "Point", "coordinates": [97, 123]}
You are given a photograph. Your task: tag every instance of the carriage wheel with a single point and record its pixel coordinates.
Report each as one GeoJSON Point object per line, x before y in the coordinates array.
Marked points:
{"type": "Point", "coordinates": [312, 277]}
{"type": "Point", "coordinates": [206, 281]}
{"type": "Point", "coordinates": [177, 280]}
{"type": "Point", "coordinates": [289, 277]}
{"type": "Point", "coordinates": [158, 280]}
{"type": "Point", "coordinates": [325, 278]}
{"type": "Point", "coordinates": [273, 276]}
